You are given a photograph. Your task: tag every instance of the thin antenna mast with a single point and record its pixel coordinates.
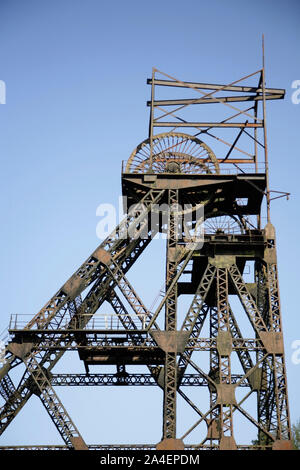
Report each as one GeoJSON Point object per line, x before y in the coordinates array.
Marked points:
{"type": "Point", "coordinates": [265, 131]}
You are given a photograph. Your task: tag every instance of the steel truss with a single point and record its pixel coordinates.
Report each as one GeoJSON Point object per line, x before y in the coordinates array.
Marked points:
{"type": "Point", "coordinates": [164, 173]}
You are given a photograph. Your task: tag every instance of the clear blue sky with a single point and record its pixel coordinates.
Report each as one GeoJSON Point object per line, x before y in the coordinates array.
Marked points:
{"type": "Point", "coordinates": [75, 74]}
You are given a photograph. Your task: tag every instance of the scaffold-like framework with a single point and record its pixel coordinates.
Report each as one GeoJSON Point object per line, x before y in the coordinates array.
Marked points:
{"type": "Point", "coordinates": [210, 206]}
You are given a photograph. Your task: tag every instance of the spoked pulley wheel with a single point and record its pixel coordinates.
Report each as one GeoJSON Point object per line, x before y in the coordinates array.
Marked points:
{"type": "Point", "coordinates": [225, 223]}
{"type": "Point", "coordinates": [173, 152]}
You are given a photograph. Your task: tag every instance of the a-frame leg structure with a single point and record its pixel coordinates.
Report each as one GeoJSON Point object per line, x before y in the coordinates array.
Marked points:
{"type": "Point", "coordinates": [232, 323]}
{"type": "Point", "coordinates": [62, 319]}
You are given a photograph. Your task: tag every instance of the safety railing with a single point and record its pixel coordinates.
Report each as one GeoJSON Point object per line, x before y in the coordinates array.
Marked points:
{"type": "Point", "coordinates": [109, 321]}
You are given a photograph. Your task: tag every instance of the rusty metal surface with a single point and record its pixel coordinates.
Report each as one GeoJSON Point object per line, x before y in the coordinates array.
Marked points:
{"type": "Point", "coordinates": [174, 169]}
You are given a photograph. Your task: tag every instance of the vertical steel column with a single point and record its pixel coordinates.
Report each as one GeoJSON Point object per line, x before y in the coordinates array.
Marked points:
{"type": "Point", "coordinates": [170, 373]}
{"type": "Point", "coordinates": [265, 393]}
{"type": "Point", "coordinates": [152, 118]}
{"type": "Point", "coordinates": [265, 132]}
{"type": "Point", "coordinates": [277, 358]}
{"type": "Point", "coordinates": [214, 426]}
{"type": "Point", "coordinates": [224, 346]}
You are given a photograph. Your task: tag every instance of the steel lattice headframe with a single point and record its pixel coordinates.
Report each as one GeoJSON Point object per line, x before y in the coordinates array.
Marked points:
{"type": "Point", "coordinates": [168, 179]}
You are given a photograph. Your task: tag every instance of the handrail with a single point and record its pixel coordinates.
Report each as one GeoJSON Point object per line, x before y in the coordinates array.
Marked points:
{"type": "Point", "coordinates": [107, 321]}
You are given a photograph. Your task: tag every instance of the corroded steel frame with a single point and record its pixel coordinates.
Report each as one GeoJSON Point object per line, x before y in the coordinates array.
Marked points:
{"type": "Point", "coordinates": [217, 272]}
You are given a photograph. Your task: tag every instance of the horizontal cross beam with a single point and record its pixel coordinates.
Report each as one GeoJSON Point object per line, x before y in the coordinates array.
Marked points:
{"type": "Point", "coordinates": [210, 86]}
{"type": "Point", "coordinates": [146, 380]}
{"type": "Point", "coordinates": [247, 125]}
{"type": "Point", "coordinates": [222, 99]}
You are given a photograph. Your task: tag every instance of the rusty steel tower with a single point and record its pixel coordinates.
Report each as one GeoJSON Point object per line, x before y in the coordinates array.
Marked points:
{"type": "Point", "coordinates": [213, 207]}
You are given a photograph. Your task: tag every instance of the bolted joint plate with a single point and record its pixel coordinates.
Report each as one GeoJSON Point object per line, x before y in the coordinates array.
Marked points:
{"type": "Point", "coordinates": [222, 261]}
{"type": "Point", "coordinates": [76, 284]}
{"type": "Point", "coordinates": [226, 394]}
{"type": "Point", "coordinates": [171, 341]}
{"type": "Point", "coordinates": [224, 343]}
{"type": "Point", "coordinates": [272, 341]}
{"type": "Point", "coordinates": [255, 379]}
{"type": "Point", "coordinates": [73, 286]}
{"type": "Point", "coordinates": [270, 238]}
{"type": "Point", "coordinates": [214, 429]}
{"type": "Point", "coordinates": [270, 256]}
{"type": "Point", "coordinates": [227, 443]}
{"type": "Point", "coordinates": [170, 444]}
{"type": "Point", "coordinates": [20, 350]}
{"type": "Point", "coordinates": [78, 443]}
{"type": "Point", "coordinates": [102, 255]}
{"type": "Point", "coordinates": [283, 444]}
